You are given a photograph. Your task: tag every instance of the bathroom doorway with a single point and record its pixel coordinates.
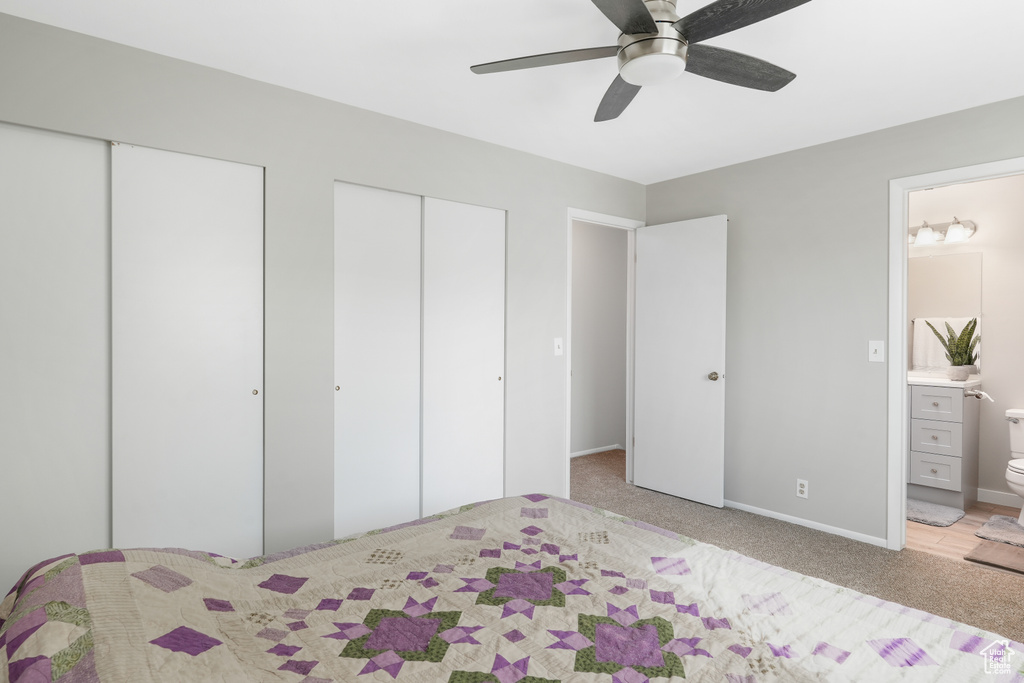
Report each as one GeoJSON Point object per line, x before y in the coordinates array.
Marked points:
{"type": "Point", "coordinates": [977, 278]}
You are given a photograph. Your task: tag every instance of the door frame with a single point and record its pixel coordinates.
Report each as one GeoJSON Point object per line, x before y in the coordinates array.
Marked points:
{"type": "Point", "coordinates": [630, 226]}
{"type": "Point", "coordinates": [899, 213]}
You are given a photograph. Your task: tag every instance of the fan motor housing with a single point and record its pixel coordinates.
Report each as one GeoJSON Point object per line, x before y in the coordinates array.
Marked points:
{"type": "Point", "coordinates": [666, 45]}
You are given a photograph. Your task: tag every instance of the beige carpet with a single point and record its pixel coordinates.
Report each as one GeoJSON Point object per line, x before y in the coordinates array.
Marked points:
{"type": "Point", "coordinates": [968, 593]}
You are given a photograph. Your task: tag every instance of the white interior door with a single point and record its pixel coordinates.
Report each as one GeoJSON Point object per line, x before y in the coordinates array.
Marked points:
{"type": "Point", "coordinates": [463, 354]}
{"type": "Point", "coordinates": [680, 340]}
{"type": "Point", "coordinates": [54, 347]}
{"type": "Point", "coordinates": [187, 338]}
{"type": "Point", "coordinates": [376, 358]}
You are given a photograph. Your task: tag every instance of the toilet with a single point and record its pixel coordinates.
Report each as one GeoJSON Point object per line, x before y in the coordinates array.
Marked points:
{"type": "Point", "coordinates": [1015, 468]}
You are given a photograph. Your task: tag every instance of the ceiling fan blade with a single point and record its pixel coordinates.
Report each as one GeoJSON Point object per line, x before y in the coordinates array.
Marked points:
{"type": "Point", "coordinates": [728, 15]}
{"type": "Point", "coordinates": [736, 68]}
{"type": "Point", "coordinates": [546, 59]}
{"type": "Point", "coordinates": [631, 16]}
{"type": "Point", "coordinates": [616, 99]}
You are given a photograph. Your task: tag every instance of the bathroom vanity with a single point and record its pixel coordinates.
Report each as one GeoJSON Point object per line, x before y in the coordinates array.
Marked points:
{"type": "Point", "coordinates": [943, 455]}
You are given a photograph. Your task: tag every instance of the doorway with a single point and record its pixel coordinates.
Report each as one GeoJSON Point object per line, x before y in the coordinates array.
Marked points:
{"type": "Point", "coordinates": [956, 283]}
{"type": "Point", "coordinates": [599, 341]}
{"type": "Point", "coordinates": [909, 197]}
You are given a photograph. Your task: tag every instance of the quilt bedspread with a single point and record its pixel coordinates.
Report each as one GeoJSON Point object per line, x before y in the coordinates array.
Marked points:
{"type": "Point", "coordinates": [529, 589]}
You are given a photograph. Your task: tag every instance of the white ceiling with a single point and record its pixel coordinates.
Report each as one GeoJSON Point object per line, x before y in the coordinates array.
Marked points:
{"type": "Point", "coordinates": [861, 65]}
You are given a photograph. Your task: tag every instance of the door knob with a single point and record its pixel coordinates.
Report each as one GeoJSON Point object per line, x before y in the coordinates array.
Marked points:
{"type": "Point", "coordinates": [713, 376]}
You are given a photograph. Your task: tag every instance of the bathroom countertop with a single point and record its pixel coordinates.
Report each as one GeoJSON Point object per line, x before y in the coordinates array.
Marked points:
{"type": "Point", "coordinates": [939, 379]}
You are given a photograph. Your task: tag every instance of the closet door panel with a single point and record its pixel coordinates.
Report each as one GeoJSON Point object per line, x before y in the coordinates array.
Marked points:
{"type": "Point", "coordinates": [187, 308]}
{"type": "Point", "coordinates": [463, 354]}
{"type": "Point", "coordinates": [54, 347]}
{"type": "Point", "coordinates": [377, 358]}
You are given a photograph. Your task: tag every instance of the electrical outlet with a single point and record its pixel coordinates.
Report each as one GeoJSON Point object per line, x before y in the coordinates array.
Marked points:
{"type": "Point", "coordinates": [801, 488]}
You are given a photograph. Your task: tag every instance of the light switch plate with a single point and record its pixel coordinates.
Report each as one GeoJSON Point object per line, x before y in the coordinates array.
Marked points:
{"type": "Point", "coordinates": [876, 351]}
{"type": "Point", "coordinates": [558, 346]}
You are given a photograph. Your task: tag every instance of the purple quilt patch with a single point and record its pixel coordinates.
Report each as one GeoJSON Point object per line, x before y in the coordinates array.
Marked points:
{"type": "Point", "coordinates": [215, 605]}
{"type": "Point", "coordinates": [330, 604]}
{"type": "Point", "coordinates": [98, 558]}
{"type": "Point", "coordinates": [837, 655]}
{"type": "Point", "coordinates": [162, 578]}
{"type": "Point", "coordinates": [514, 636]}
{"type": "Point", "coordinates": [23, 628]}
{"type": "Point", "coordinates": [467, 533]}
{"type": "Point", "coordinates": [30, 669]}
{"type": "Point", "coordinates": [673, 566]}
{"type": "Point", "coordinates": [282, 583]}
{"type": "Point", "coordinates": [782, 651]}
{"type": "Point", "coordinates": [403, 634]}
{"type": "Point", "coordinates": [534, 513]}
{"type": "Point", "coordinates": [282, 650]}
{"type": "Point", "coordinates": [361, 593]}
{"type": "Point", "coordinates": [490, 552]}
{"type": "Point", "coordinates": [532, 530]}
{"type": "Point", "coordinates": [532, 586]}
{"type": "Point", "coordinates": [690, 609]}
{"type": "Point", "coordinates": [298, 667]}
{"type": "Point", "coordinates": [901, 652]}
{"type": "Point", "coordinates": [274, 634]}
{"type": "Point", "coordinates": [535, 497]}
{"type": "Point", "coordinates": [628, 646]}
{"type": "Point", "coordinates": [663, 597]}
{"type": "Point", "coordinates": [711, 623]}
{"type": "Point", "coordinates": [769, 603]}
{"type": "Point", "coordinates": [184, 639]}
{"type": "Point", "coordinates": [741, 650]}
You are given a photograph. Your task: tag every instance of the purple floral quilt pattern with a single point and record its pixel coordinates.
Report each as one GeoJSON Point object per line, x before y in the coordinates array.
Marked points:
{"type": "Point", "coordinates": [532, 589]}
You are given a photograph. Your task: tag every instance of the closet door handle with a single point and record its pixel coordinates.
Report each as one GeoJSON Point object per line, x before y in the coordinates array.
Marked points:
{"type": "Point", "coordinates": [713, 376]}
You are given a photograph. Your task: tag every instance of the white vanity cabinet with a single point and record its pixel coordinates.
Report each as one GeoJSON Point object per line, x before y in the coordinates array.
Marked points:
{"type": "Point", "coordinates": [943, 460]}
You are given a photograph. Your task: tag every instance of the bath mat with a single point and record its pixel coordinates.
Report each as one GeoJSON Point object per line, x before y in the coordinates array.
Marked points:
{"type": "Point", "coordinates": [1002, 529]}
{"type": "Point", "coordinates": [932, 513]}
{"type": "Point", "coordinates": [998, 555]}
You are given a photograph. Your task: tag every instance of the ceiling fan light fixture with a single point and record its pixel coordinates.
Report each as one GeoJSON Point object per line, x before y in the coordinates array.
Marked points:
{"type": "Point", "coordinates": [653, 69]}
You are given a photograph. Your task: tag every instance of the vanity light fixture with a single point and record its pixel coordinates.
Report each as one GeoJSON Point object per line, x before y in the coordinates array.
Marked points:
{"type": "Point", "coordinates": [956, 232]}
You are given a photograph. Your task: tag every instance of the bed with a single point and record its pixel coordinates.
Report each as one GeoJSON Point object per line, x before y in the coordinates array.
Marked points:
{"type": "Point", "coordinates": [527, 589]}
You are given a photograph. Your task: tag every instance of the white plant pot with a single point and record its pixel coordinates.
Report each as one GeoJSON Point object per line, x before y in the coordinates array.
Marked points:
{"type": "Point", "coordinates": [958, 373]}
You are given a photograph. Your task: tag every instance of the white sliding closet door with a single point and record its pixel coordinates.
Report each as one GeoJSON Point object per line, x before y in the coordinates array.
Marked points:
{"type": "Point", "coordinates": [54, 347]}
{"type": "Point", "coordinates": [187, 308]}
{"type": "Point", "coordinates": [377, 358]}
{"type": "Point", "coordinates": [463, 354]}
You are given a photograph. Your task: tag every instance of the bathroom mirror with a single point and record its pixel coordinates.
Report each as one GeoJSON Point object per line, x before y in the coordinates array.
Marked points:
{"type": "Point", "coordinates": [946, 286]}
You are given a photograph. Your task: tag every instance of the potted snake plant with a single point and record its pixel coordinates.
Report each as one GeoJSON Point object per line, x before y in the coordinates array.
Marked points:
{"type": "Point", "coordinates": [960, 349]}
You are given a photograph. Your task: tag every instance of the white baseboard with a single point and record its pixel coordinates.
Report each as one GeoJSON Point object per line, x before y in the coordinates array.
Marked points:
{"type": "Point", "coordinates": [602, 449]}
{"type": "Point", "coordinates": [845, 533]}
{"type": "Point", "coordinates": [999, 498]}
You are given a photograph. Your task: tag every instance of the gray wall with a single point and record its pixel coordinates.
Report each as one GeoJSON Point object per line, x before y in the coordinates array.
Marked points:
{"type": "Point", "coordinates": [598, 337]}
{"type": "Point", "coordinates": [997, 206]}
{"type": "Point", "coordinates": [807, 289]}
{"type": "Point", "coordinates": [67, 82]}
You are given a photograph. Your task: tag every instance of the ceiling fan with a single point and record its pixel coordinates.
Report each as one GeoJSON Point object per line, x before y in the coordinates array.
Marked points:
{"type": "Point", "coordinates": [656, 46]}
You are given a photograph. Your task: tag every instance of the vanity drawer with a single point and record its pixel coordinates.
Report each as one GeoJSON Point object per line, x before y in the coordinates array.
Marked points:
{"type": "Point", "coordinates": [937, 403]}
{"type": "Point", "coordinates": [940, 471]}
{"type": "Point", "coordinates": [932, 436]}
